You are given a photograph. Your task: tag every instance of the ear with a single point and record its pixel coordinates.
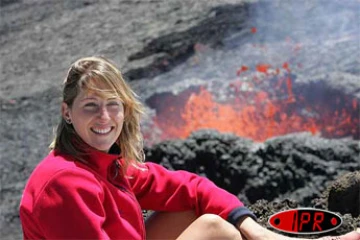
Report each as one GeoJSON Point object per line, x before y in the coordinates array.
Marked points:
{"type": "Point", "coordinates": [65, 111]}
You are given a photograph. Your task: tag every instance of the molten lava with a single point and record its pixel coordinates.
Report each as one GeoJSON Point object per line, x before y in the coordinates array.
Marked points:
{"type": "Point", "coordinates": [261, 120]}
{"type": "Point", "coordinates": [268, 107]}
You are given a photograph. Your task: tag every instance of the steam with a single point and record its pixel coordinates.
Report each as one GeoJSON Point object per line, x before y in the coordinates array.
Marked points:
{"type": "Point", "coordinates": [301, 20]}
{"type": "Point", "coordinates": [301, 55]}
{"type": "Point", "coordinates": [315, 37]}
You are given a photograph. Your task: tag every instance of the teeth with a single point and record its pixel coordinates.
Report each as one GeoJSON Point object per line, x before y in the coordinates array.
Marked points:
{"type": "Point", "coordinates": [101, 131]}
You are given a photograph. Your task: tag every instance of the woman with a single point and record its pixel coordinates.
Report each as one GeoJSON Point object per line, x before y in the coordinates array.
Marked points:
{"type": "Point", "coordinates": [93, 184]}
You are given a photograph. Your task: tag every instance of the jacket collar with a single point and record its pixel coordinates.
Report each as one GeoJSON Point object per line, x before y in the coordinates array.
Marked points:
{"type": "Point", "coordinates": [105, 163]}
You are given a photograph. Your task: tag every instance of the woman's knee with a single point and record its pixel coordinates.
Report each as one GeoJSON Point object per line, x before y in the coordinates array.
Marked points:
{"type": "Point", "coordinates": [218, 226]}
{"type": "Point", "coordinates": [211, 220]}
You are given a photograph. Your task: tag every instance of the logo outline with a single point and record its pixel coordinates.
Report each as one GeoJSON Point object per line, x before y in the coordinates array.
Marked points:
{"type": "Point", "coordinates": [305, 209]}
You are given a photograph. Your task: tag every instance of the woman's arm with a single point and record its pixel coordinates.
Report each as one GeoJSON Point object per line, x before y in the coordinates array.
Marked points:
{"type": "Point", "coordinates": [159, 189]}
{"type": "Point", "coordinates": [68, 207]}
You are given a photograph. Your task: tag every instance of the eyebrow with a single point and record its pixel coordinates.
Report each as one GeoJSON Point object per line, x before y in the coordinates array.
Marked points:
{"type": "Point", "coordinates": [88, 98]}
{"type": "Point", "coordinates": [94, 98]}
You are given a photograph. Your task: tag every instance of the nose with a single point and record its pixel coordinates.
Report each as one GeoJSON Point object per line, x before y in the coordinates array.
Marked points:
{"type": "Point", "coordinates": [104, 114]}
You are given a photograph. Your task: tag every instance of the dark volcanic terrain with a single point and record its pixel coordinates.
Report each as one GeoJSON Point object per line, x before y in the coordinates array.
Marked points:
{"type": "Point", "coordinates": [167, 46]}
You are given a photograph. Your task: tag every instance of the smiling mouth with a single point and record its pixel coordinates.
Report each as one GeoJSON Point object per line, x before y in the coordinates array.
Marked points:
{"type": "Point", "coordinates": [102, 131]}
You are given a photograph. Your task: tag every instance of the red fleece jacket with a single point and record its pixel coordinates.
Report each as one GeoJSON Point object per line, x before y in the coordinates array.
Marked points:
{"type": "Point", "coordinates": [67, 199]}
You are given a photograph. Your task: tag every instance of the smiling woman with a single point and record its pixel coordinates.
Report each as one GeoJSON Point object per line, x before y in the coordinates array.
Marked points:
{"type": "Point", "coordinates": [94, 183]}
{"type": "Point", "coordinates": [97, 121]}
{"type": "Point", "coordinates": [99, 108]}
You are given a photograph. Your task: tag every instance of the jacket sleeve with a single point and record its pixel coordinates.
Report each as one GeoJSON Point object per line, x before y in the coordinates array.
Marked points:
{"type": "Point", "coordinates": [70, 207]}
{"type": "Point", "coordinates": [159, 189]}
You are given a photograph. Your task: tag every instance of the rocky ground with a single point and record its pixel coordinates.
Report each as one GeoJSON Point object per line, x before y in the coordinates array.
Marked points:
{"type": "Point", "coordinates": [296, 170]}
{"type": "Point", "coordinates": [39, 39]}
{"type": "Point", "coordinates": [150, 40]}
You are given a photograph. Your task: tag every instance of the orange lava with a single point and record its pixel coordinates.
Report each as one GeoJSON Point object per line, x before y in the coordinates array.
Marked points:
{"type": "Point", "coordinates": [242, 69]}
{"type": "Point", "coordinates": [259, 114]}
{"type": "Point", "coordinates": [262, 68]}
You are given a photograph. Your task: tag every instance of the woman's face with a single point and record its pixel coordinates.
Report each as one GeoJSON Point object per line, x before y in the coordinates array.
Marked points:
{"type": "Point", "coordinates": [96, 120]}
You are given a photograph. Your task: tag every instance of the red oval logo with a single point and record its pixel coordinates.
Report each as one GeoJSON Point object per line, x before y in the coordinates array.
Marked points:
{"type": "Point", "coordinates": [305, 221]}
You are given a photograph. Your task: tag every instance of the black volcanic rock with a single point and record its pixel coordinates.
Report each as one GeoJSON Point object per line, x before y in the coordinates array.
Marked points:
{"type": "Point", "coordinates": [284, 172]}
{"type": "Point", "coordinates": [344, 194]}
{"type": "Point", "coordinates": [295, 166]}
{"type": "Point", "coordinates": [148, 38]}
{"type": "Point", "coordinates": [176, 47]}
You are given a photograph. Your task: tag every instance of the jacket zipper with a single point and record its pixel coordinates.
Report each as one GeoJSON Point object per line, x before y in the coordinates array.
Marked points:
{"type": "Point", "coordinates": [125, 190]}
{"type": "Point", "coordinates": [117, 168]}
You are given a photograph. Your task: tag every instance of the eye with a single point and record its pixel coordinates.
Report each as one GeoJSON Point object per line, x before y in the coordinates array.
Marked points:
{"type": "Point", "coordinates": [91, 106]}
{"type": "Point", "coordinates": [114, 104]}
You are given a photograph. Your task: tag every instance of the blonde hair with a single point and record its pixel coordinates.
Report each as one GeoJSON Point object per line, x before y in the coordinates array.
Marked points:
{"type": "Point", "coordinates": [100, 75]}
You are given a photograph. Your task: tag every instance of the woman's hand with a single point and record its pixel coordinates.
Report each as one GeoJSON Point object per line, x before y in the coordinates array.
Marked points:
{"type": "Point", "coordinates": [251, 230]}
